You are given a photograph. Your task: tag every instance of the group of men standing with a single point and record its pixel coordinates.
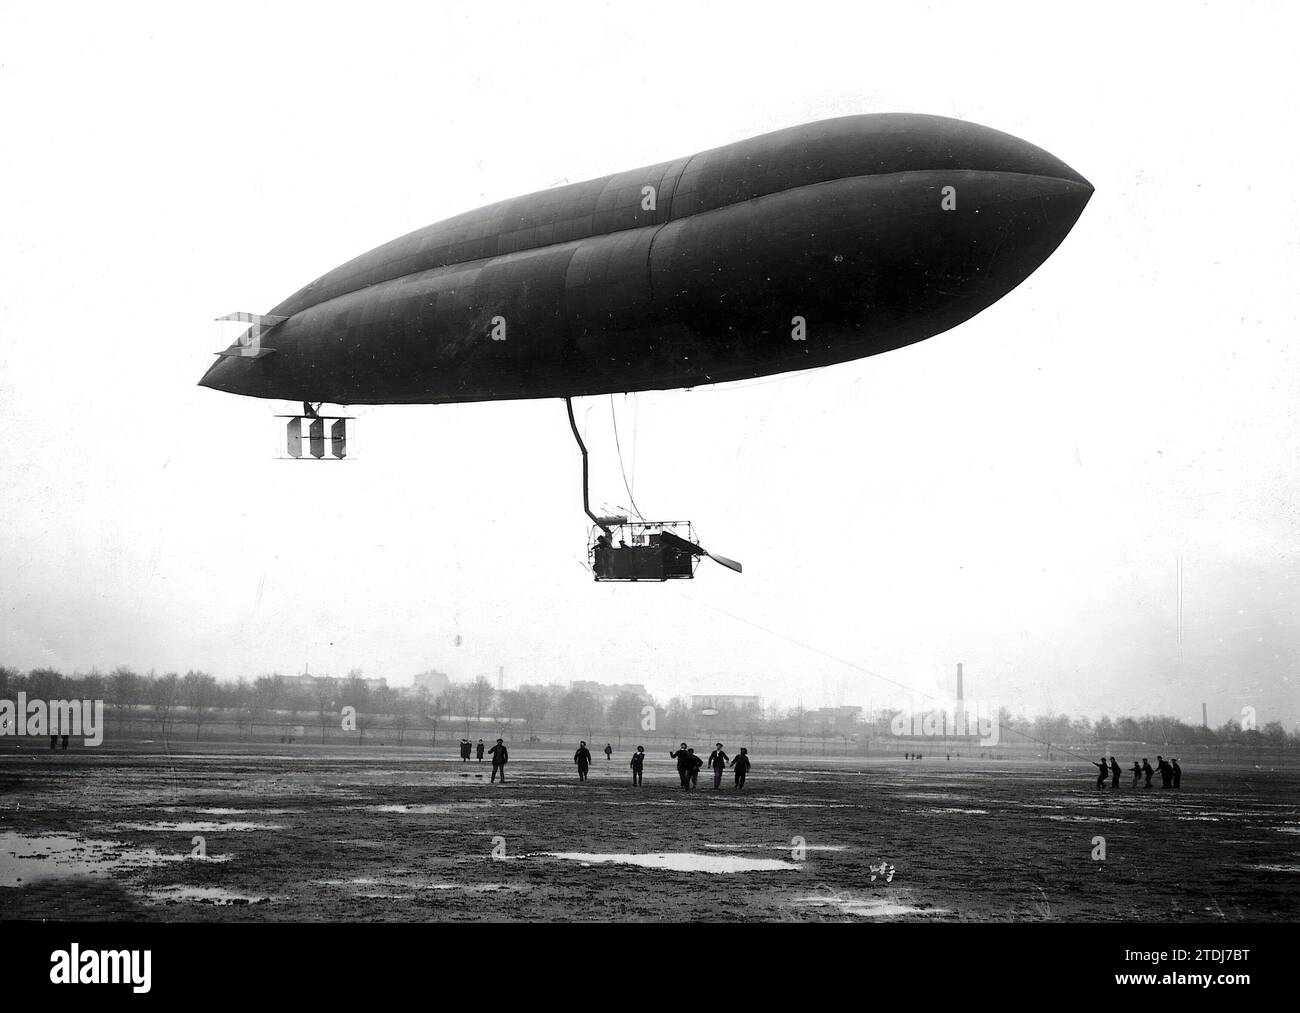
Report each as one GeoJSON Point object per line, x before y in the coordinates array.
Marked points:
{"type": "Point", "coordinates": [498, 753]}
{"type": "Point", "coordinates": [1171, 775]}
{"type": "Point", "coordinates": [688, 764]}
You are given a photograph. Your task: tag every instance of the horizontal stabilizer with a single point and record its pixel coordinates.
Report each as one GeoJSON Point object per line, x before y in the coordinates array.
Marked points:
{"type": "Point", "coordinates": [246, 352]}
{"type": "Point", "coordinates": [268, 319]}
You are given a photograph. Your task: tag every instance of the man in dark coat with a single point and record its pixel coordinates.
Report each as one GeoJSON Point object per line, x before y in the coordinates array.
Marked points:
{"type": "Point", "coordinates": [741, 766]}
{"type": "Point", "coordinates": [683, 758]}
{"type": "Point", "coordinates": [638, 762]}
{"type": "Point", "coordinates": [1178, 774]}
{"type": "Point", "coordinates": [1147, 771]}
{"type": "Point", "coordinates": [717, 763]}
{"type": "Point", "coordinates": [694, 773]}
{"type": "Point", "coordinates": [1166, 771]}
{"type": "Point", "coordinates": [583, 759]}
{"type": "Point", "coordinates": [1103, 769]}
{"type": "Point", "coordinates": [1114, 773]}
{"type": "Point", "coordinates": [500, 757]}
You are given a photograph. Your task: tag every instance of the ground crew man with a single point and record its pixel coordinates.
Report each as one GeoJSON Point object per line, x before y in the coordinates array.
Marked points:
{"type": "Point", "coordinates": [718, 763]}
{"type": "Point", "coordinates": [499, 759]}
{"type": "Point", "coordinates": [683, 758]}
{"type": "Point", "coordinates": [583, 759]}
{"type": "Point", "coordinates": [741, 766]}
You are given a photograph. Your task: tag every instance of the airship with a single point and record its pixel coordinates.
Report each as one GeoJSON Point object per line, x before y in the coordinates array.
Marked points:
{"type": "Point", "coordinates": [800, 248]}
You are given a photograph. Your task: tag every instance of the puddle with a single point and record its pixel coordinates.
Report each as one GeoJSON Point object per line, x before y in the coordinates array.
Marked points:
{"type": "Point", "coordinates": [409, 884]}
{"type": "Point", "coordinates": [1275, 868]}
{"type": "Point", "coordinates": [199, 826]}
{"type": "Point", "coordinates": [867, 907]}
{"type": "Point", "coordinates": [1087, 819]}
{"type": "Point", "coordinates": [968, 812]}
{"type": "Point", "coordinates": [441, 809]}
{"type": "Point", "coordinates": [775, 847]}
{"type": "Point", "coordinates": [788, 805]}
{"type": "Point", "coordinates": [202, 895]}
{"type": "Point", "coordinates": [229, 812]}
{"type": "Point", "coordinates": [26, 858]}
{"type": "Point", "coordinates": [679, 861]}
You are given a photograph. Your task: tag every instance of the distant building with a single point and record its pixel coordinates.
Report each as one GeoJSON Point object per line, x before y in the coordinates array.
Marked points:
{"type": "Point", "coordinates": [727, 702]}
{"type": "Point", "coordinates": [839, 718]}
{"type": "Point", "coordinates": [310, 683]}
{"type": "Point", "coordinates": [607, 693]}
{"type": "Point", "coordinates": [431, 682]}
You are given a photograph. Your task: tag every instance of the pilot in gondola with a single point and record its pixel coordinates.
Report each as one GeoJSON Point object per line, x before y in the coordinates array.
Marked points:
{"type": "Point", "coordinates": [600, 554]}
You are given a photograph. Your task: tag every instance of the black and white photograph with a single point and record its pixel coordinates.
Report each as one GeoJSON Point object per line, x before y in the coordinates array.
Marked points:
{"type": "Point", "coordinates": [686, 465]}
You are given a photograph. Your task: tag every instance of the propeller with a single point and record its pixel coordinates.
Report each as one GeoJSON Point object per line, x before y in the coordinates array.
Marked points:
{"type": "Point", "coordinates": [696, 550]}
{"type": "Point", "coordinates": [730, 564]}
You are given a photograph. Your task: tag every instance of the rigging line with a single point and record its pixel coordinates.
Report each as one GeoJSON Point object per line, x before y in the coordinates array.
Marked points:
{"type": "Point", "coordinates": [619, 448]}
{"type": "Point", "coordinates": [636, 417]}
{"type": "Point", "coordinates": [867, 671]}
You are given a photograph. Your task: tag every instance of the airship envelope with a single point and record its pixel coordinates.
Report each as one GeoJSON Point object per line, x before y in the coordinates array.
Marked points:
{"type": "Point", "coordinates": [803, 247]}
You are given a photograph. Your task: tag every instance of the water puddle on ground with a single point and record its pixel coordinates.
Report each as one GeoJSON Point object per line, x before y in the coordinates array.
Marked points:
{"type": "Point", "coordinates": [775, 847]}
{"type": "Point", "coordinates": [678, 861]}
{"type": "Point", "coordinates": [433, 809]}
{"type": "Point", "coordinates": [202, 895]}
{"type": "Point", "coordinates": [966, 812]}
{"type": "Point", "coordinates": [1086, 819]}
{"type": "Point", "coordinates": [25, 858]}
{"type": "Point", "coordinates": [228, 812]}
{"type": "Point", "coordinates": [199, 826]}
{"type": "Point", "coordinates": [788, 805]}
{"type": "Point", "coordinates": [866, 907]}
{"type": "Point", "coordinates": [416, 885]}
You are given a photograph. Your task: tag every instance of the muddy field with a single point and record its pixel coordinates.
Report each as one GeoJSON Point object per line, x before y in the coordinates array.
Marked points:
{"type": "Point", "coordinates": [272, 833]}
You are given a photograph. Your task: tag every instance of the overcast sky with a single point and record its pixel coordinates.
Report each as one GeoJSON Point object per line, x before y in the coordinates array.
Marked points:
{"type": "Point", "coordinates": [1015, 494]}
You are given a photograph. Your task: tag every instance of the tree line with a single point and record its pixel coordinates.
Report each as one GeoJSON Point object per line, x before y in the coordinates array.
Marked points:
{"type": "Point", "coordinates": [197, 698]}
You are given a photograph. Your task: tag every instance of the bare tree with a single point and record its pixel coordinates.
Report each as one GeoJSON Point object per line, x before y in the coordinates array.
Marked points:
{"type": "Point", "coordinates": [164, 693]}
{"type": "Point", "coordinates": [402, 718]}
{"type": "Point", "coordinates": [198, 689]}
{"type": "Point", "coordinates": [326, 707]}
{"type": "Point", "coordinates": [481, 694]}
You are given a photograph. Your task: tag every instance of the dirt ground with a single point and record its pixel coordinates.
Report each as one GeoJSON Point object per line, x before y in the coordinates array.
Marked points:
{"type": "Point", "coordinates": [286, 833]}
